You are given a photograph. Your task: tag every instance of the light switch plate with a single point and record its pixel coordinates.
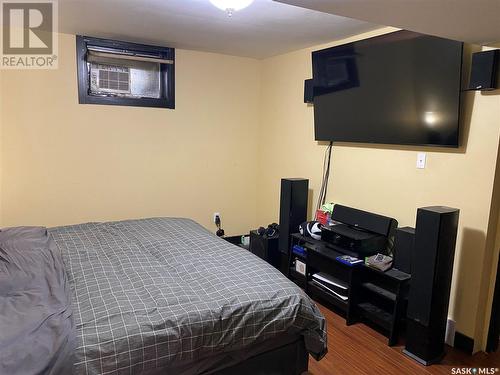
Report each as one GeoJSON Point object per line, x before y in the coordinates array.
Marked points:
{"type": "Point", "coordinates": [421, 159]}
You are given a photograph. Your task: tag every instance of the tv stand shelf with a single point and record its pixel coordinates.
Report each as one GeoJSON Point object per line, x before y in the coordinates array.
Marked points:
{"type": "Point", "coordinates": [372, 295]}
{"type": "Point", "coordinates": [328, 297]}
{"type": "Point", "coordinates": [380, 291]}
{"type": "Point", "coordinates": [375, 314]}
{"type": "Point", "coordinates": [299, 279]}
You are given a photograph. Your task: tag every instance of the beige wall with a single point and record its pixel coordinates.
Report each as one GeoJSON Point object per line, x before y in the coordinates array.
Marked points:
{"type": "Point", "coordinates": [237, 121]}
{"type": "Point", "coordinates": [494, 242]}
{"type": "Point", "coordinates": [490, 262]}
{"type": "Point", "coordinates": [66, 163]}
{"type": "Point", "coordinates": [384, 179]}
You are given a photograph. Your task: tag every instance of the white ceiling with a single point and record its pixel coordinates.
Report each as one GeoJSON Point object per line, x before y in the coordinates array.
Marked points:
{"type": "Point", "coordinates": [473, 21]}
{"type": "Point", "coordinates": [264, 29]}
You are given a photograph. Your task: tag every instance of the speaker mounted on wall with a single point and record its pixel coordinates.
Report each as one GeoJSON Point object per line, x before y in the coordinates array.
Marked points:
{"type": "Point", "coordinates": [309, 91]}
{"type": "Point", "coordinates": [484, 70]}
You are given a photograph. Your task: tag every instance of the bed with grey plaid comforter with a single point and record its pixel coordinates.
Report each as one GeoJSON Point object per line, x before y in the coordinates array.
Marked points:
{"type": "Point", "coordinates": [164, 293]}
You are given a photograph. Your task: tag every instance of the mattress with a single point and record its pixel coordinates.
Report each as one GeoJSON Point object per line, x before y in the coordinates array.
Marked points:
{"type": "Point", "coordinates": [156, 294]}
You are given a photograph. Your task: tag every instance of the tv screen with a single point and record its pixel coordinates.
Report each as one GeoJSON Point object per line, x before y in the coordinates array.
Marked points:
{"type": "Point", "coordinates": [398, 88]}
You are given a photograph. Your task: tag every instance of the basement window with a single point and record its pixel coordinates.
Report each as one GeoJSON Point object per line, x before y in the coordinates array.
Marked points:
{"type": "Point", "coordinates": [121, 73]}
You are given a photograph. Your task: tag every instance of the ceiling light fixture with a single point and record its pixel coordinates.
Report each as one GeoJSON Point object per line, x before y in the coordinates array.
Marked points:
{"type": "Point", "coordinates": [231, 6]}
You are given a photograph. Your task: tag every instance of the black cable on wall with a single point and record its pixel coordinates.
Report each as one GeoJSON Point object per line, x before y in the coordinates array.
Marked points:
{"type": "Point", "coordinates": [326, 176]}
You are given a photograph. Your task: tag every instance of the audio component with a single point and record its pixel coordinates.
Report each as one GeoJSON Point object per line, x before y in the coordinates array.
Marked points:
{"type": "Point", "coordinates": [432, 269]}
{"type": "Point", "coordinates": [265, 247]}
{"type": "Point", "coordinates": [309, 91]}
{"type": "Point", "coordinates": [293, 209]}
{"type": "Point", "coordinates": [484, 70]}
{"type": "Point", "coordinates": [358, 233]}
{"type": "Point", "coordinates": [403, 248]}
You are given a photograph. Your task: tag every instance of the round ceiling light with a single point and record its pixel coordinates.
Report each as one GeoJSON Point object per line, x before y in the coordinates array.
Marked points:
{"type": "Point", "coordinates": [231, 6]}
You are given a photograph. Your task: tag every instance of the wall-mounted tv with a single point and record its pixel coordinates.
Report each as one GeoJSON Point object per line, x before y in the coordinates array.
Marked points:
{"type": "Point", "coordinates": [398, 88]}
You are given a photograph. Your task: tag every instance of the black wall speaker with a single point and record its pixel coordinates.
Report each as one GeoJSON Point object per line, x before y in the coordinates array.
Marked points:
{"type": "Point", "coordinates": [432, 269]}
{"type": "Point", "coordinates": [403, 248]}
{"type": "Point", "coordinates": [308, 91]}
{"type": "Point", "coordinates": [293, 209]}
{"type": "Point", "coordinates": [265, 247]}
{"type": "Point", "coordinates": [484, 70]}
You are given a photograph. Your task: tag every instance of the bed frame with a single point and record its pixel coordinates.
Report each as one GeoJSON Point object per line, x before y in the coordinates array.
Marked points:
{"type": "Point", "coordinates": [289, 359]}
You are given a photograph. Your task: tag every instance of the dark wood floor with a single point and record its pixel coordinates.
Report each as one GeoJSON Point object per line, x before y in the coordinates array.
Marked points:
{"type": "Point", "coordinates": [358, 349]}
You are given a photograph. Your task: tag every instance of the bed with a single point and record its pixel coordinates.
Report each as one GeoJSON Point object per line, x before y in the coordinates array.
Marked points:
{"type": "Point", "coordinates": [149, 296]}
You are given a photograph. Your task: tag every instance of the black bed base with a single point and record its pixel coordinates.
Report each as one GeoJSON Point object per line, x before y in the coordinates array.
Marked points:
{"type": "Point", "coordinates": [290, 359]}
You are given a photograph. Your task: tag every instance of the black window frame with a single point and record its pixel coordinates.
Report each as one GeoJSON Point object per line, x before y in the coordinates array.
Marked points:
{"type": "Point", "coordinates": [167, 73]}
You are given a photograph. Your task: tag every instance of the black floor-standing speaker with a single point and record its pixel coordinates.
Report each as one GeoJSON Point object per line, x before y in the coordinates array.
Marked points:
{"type": "Point", "coordinates": [431, 272]}
{"type": "Point", "coordinates": [293, 209]}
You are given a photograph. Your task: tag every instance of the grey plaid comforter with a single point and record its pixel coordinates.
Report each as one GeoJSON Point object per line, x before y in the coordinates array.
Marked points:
{"type": "Point", "coordinates": [165, 293]}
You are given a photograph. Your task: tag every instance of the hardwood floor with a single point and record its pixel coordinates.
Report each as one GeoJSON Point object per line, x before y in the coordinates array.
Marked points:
{"type": "Point", "coordinates": [358, 349]}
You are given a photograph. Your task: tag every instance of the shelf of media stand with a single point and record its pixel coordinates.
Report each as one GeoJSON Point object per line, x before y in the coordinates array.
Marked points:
{"type": "Point", "coordinates": [298, 278]}
{"type": "Point", "coordinates": [328, 297]}
{"type": "Point", "coordinates": [373, 296]}
{"type": "Point", "coordinates": [375, 314]}
{"type": "Point", "coordinates": [380, 291]}
{"type": "Point", "coordinates": [321, 258]}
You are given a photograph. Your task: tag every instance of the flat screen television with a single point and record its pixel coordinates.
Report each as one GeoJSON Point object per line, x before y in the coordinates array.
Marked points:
{"type": "Point", "coordinates": [398, 88]}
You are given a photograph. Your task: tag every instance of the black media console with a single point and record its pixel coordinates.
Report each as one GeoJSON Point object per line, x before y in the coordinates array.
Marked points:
{"type": "Point", "coordinates": [364, 293]}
